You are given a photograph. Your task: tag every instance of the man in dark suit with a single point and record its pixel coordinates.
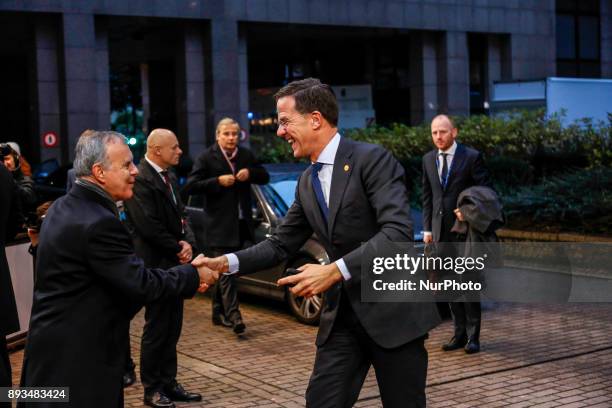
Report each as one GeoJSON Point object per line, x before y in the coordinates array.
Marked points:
{"type": "Point", "coordinates": [9, 322]}
{"type": "Point", "coordinates": [90, 283]}
{"type": "Point", "coordinates": [224, 174]}
{"type": "Point", "coordinates": [353, 193]}
{"type": "Point", "coordinates": [447, 171]}
{"type": "Point", "coordinates": [163, 239]}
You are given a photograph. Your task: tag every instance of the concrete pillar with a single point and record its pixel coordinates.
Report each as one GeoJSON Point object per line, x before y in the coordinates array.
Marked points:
{"type": "Point", "coordinates": [423, 77]}
{"type": "Point", "coordinates": [102, 76]}
{"type": "Point", "coordinates": [80, 74]}
{"type": "Point", "coordinates": [229, 72]}
{"type": "Point", "coordinates": [243, 75]}
{"type": "Point", "coordinates": [606, 38]}
{"type": "Point", "coordinates": [47, 92]}
{"type": "Point", "coordinates": [192, 129]}
{"type": "Point", "coordinates": [453, 74]}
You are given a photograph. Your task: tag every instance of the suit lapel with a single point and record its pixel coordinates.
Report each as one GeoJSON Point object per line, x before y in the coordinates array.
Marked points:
{"type": "Point", "coordinates": [343, 167]}
{"type": "Point", "coordinates": [456, 164]}
{"type": "Point", "coordinates": [153, 177]}
{"type": "Point", "coordinates": [313, 205]}
{"type": "Point", "coordinates": [221, 158]}
{"type": "Point", "coordinates": [432, 169]}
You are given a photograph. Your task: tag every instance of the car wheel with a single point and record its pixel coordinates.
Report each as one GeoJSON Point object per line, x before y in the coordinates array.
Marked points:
{"type": "Point", "coordinates": [305, 310]}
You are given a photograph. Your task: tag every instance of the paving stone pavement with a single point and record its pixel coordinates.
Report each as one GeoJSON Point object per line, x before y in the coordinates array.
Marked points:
{"type": "Point", "coordinates": [532, 356]}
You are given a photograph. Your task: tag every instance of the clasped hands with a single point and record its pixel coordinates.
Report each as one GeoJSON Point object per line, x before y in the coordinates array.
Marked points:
{"type": "Point", "coordinates": [209, 269]}
{"type": "Point", "coordinates": [312, 279]}
{"type": "Point", "coordinates": [228, 180]}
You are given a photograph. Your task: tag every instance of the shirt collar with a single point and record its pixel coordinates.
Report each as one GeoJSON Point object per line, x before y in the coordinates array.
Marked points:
{"type": "Point", "coordinates": [328, 155]}
{"type": "Point", "coordinates": [98, 190]}
{"type": "Point", "coordinates": [451, 150]}
{"type": "Point", "coordinates": [155, 166]}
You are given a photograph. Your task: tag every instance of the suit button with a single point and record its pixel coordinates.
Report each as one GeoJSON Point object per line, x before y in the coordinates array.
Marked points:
{"type": "Point", "coordinates": [441, 213]}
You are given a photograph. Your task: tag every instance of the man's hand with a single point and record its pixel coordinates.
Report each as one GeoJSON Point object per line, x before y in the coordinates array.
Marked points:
{"type": "Point", "coordinates": [427, 238]}
{"type": "Point", "coordinates": [227, 180]}
{"type": "Point", "coordinates": [243, 175]}
{"type": "Point", "coordinates": [459, 215]}
{"type": "Point", "coordinates": [33, 235]}
{"type": "Point", "coordinates": [208, 276]}
{"type": "Point", "coordinates": [312, 279]}
{"type": "Point", "coordinates": [186, 253]}
{"type": "Point", "coordinates": [219, 264]}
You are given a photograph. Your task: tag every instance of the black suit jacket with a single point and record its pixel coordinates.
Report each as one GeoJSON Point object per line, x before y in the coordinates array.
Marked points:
{"type": "Point", "coordinates": [221, 203]}
{"type": "Point", "coordinates": [467, 170]}
{"type": "Point", "coordinates": [9, 322]}
{"type": "Point", "coordinates": [368, 203]}
{"type": "Point", "coordinates": [89, 284]}
{"type": "Point", "coordinates": [155, 221]}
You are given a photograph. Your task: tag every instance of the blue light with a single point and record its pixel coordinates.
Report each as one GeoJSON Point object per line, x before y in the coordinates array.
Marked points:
{"type": "Point", "coordinates": [250, 115]}
{"type": "Point", "coordinates": [132, 141]}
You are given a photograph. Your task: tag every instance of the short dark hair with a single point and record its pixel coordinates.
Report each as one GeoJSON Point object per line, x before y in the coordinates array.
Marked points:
{"type": "Point", "coordinates": [312, 95]}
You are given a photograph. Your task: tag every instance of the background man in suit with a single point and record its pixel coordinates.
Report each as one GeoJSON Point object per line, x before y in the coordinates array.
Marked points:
{"type": "Point", "coordinates": [447, 171]}
{"type": "Point", "coordinates": [8, 309]}
{"type": "Point", "coordinates": [90, 283]}
{"type": "Point", "coordinates": [162, 238]}
{"type": "Point", "coordinates": [224, 173]}
{"type": "Point", "coordinates": [348, 181]}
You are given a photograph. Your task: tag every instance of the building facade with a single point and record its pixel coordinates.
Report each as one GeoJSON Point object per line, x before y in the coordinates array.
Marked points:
{"type": "Point", "coordinates": [70, 65]}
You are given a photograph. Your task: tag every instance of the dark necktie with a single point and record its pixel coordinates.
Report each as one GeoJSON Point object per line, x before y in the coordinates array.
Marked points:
{"type": "Point", "coordinates": [166, 177]}
{"type": "Point", "coordinates": [444, 174]}
{"type": "Point", "coordinates": [316, 186]}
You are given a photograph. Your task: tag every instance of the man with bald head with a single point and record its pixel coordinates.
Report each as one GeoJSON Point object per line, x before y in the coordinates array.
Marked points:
{"type": "Point", "coordinates": [448, 170]}
{"type": "Point", "coordinates": [162, 237]}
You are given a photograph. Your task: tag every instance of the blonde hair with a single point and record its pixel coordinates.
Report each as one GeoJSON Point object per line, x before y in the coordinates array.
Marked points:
{"type": "Point", "coordinates": [226, 121]}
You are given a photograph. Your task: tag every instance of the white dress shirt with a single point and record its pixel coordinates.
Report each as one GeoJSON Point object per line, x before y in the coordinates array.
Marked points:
{"type": "Point", "coordinates": [327, 158]}
{"type": "Point", "coordinates": [156, 168]}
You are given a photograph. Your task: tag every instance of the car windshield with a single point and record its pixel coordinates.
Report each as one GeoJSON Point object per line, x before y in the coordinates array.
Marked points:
{"type": "Point", "coordinates": [280, 192]}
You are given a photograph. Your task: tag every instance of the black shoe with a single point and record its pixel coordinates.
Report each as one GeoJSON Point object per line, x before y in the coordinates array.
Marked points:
{"type": "Point", "coordinates": [472, 347]}
{"type": "Point", "coordinates": [158, 399]}
{"type": "Point", "coordinates": [220, 320]}
{"type": "Point", "coordinates": [454, 344]}
{"type": "Point", "coordinates": [176, 392]}
{"type": "Point", "coordinates": [129, 378]}
{"type": "Point", "coordinates": [239, 326]}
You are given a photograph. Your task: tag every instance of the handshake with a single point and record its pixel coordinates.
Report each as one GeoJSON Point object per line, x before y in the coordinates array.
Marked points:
{"type": "Point", "coordinates": [209, 270]}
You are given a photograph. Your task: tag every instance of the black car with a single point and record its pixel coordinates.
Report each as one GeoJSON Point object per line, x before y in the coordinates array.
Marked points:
{"type": "Point", "coordinates": [270, 205]}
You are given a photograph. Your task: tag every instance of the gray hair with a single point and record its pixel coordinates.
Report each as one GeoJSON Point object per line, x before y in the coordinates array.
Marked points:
{"type": "Point", "coordinates": [91, 149]}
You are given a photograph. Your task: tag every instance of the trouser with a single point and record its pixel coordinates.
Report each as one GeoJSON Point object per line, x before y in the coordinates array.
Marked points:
{"type": "Point", "coordinates": [161, 333]}
{"type": "Point", "coordinates": [129, 362]}
{"type": "Point", "coordinates": [466, 318]}
{"type": "Point", "coordinates": [5, 368]}
{"type": "Point", "coordinates": [343, 361]}
{"type": "Point", "coordinates": [225, 294]}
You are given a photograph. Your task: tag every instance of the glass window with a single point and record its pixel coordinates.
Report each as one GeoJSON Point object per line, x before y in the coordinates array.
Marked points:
{"type": "Point", "coordinates": [588, 35]}
{"type": "Point", "coordinates": [566, 41]}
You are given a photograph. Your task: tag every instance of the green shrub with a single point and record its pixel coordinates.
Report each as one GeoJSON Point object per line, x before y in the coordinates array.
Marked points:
{"type": "Point", "coordinates": [527, 136]}
{"type": "Point", "coordinates": [580, 201]}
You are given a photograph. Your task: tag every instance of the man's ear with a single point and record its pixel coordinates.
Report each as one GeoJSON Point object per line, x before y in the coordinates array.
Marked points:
{"type": "Point", "coordinates": [315, 120]}
{"type": "Point", "coordinates": [97, 171]}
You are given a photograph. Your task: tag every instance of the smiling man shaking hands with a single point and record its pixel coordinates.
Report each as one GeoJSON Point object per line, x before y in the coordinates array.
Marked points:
{"type": "Point", "coordinates": [352, 193]}
{"type": "Point", "coordinates": [89, 282]}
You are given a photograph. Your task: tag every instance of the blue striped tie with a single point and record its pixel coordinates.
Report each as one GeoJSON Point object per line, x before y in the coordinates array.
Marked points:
{"type": "Point", "coordinates": [316, 186]}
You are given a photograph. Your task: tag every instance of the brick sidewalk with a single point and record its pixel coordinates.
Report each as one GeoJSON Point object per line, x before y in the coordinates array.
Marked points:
{"type": "Point", "coordinates": [532, 355]}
